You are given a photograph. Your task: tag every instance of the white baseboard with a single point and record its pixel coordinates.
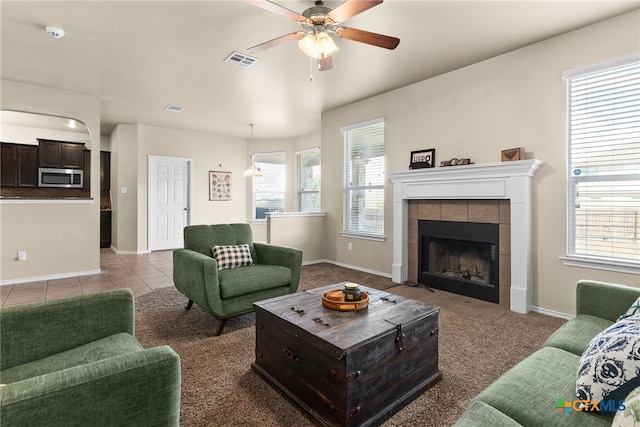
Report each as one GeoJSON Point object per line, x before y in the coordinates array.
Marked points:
{"type": "Point", "coordinates": [552, 313]}
{"type": "Point", "coordinates": [316, 261]}
{"type": "Point", "coordinates": [378, 273]}
{"type": "Point", "coordinates": [353, 267]}
{"type": "Point", "coordinates": [119, 252]}
{"type": "Point", "coordinates": [48, 277]}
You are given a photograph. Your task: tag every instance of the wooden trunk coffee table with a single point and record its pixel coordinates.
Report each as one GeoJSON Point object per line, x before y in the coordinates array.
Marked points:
{"type": "Point", "coordinates": [347, 368]}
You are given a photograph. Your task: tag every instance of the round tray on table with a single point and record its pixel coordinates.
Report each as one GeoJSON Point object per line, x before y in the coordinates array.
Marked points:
{"type": "Point", "coordinates": [334, 300]}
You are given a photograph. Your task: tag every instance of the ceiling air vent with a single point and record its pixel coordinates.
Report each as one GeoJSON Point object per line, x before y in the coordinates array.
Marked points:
{"type": "Point", "coordinates": [174, 108]}
{"type": "Point", "coordinates": [240, 60]}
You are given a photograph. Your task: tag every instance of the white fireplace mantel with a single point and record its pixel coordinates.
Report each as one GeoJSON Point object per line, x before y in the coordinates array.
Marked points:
{"type": "Point", "coordinates": [507, 180]}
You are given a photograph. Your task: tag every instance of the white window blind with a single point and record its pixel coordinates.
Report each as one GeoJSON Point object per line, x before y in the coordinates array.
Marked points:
{"type": "Point", "coordinates": [363, 208]}
{"type": "Point", "coordinates": [604, 164]}
{"type": "Point", "coordinates": [309, 180]}
{"type": "Point", "coordinates": [269, 189]}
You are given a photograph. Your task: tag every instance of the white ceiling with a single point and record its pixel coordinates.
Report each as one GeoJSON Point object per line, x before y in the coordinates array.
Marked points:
{"type": "Point", "coordinates": [140, 56]}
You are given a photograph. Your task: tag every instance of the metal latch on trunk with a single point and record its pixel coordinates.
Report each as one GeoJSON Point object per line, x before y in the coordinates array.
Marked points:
{"type": "Point", "coordinates": [399, 338]}
{"type": "Point", "coordinates": [347, 378]}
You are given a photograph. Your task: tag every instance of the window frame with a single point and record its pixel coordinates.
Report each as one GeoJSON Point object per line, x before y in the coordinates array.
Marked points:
{"type": "Point", "coordinates": [299, 191]}
{"type": "Point", "coordinates": [254, 192]}
{"type": "Point", "coordinates": [347, 189]}
{"type": "Point", "coordinates": [610, 263]}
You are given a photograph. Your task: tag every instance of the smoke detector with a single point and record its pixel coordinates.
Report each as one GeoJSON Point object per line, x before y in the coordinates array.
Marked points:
{"type": "Point", "coordinates": [56, 33]}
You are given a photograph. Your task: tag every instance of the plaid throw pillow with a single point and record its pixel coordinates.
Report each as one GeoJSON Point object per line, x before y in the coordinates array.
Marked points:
{"type": "Point", "coordinates": [232, 256]}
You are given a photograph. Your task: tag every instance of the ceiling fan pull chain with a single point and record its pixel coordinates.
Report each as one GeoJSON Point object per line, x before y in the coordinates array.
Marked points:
{"type": "Point", "coordinates": [310, 69]}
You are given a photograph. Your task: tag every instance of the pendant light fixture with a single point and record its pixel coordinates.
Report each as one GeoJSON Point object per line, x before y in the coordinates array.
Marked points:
{"type": "Point", "coordinates": [251, 171]}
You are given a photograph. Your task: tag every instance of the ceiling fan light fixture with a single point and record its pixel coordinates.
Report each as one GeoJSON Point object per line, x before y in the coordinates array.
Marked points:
{"type": "Point", "coordinates": [326, 44]}
{"type": "Point", "coordinates": [308, 46]}
{"type": "Point", "coordinates": [318, 45]}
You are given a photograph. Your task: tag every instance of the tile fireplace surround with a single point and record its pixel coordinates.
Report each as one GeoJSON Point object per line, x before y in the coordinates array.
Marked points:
{"type": "Point", "coordinates": [491, 181]}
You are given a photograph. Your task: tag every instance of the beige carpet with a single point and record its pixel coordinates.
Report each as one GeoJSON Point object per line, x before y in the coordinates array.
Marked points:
{"type": "Point", "coordinates": [220, 389]}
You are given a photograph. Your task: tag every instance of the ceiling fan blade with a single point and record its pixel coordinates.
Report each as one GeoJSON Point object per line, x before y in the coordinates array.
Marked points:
{"type": "Point", "coordinates": [325, 64]}
{"type": "Point", "coordinates": [275, 42]}
{"type": "Point", "coordinates": [351, 8]}
{"type": "Point", "coordinates": [277, 9]}
{"type": "Point", "coordinates": [362, 36]}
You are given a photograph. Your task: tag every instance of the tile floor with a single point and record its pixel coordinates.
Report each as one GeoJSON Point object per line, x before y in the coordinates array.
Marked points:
{"type": "Point", "coordinates": [141, 273]}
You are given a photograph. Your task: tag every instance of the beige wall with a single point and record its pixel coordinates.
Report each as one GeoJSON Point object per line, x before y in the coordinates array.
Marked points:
{"type": "Point", "coordinates": [124, 177]}
{"type": "Point", "coordinates": [290, 147]}
{"type": "Point", "coordinates": [517, 99]}
{"type": "Point", "coordinates": [304, 231]}
{"type": "Point", "coordinates": [60, 239]}
{"type": "Point", "coordinates": [133, 144]}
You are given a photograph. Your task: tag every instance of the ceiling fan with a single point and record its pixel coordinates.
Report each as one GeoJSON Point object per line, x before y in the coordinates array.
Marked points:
{"type": "Point", "coordinates": [318, 23]}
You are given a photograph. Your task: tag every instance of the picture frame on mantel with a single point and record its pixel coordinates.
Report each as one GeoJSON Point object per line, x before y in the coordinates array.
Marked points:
{"type": "Point", "coordinates": [421, 159]}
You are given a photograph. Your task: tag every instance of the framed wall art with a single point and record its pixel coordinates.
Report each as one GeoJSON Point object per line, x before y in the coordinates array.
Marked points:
{"type": "Point", "coordinates": [220, 185]}
{"type": "Point", "coordinates": [423, 159]}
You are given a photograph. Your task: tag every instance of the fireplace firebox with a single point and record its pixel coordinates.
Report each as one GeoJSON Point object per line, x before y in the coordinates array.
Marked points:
{"type": "Point", "coordinates": [460, 257]}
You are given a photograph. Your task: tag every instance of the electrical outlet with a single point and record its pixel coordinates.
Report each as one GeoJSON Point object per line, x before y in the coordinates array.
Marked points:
{"type": "Point", "coordinates": [349, 246]}
{"type": "Point", "coordinates": [22, 255]}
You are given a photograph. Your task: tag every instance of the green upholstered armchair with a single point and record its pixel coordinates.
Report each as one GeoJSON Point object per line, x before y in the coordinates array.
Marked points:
{"type": "Point", "coordinates": [231, 292]}
{"type": "Point", "coordinates": [75, 362]}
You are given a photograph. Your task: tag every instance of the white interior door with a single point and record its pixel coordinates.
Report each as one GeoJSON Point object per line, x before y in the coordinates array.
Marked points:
{"type": "Point", "coordinates": [169, 201]}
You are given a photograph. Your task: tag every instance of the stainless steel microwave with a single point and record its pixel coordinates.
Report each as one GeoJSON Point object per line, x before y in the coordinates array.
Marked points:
{"type": "Point", "coordinates": [51, 177]}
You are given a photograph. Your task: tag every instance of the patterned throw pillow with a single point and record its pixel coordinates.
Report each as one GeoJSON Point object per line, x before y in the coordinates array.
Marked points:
{"type": "Point", "coordinates": [610, 366]}
{"type": "Point", "coordinates": [634, 309]}
{"type": "Point", "coordinates": [232, 256]}
{"type": "Point", "coordinates": [630, 416]}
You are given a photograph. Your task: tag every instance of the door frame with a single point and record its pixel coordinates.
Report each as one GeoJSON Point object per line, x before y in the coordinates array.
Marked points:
{"type": "Point", "coordinates": [151, 177]}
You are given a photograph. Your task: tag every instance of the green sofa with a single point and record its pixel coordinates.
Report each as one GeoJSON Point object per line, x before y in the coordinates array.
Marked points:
{"type": "Point", "coordinates": [527, 394]}
{"type": "Point", "coordinates": [231, 292]}
{"type": "Point", "coordinates": [76, 362]}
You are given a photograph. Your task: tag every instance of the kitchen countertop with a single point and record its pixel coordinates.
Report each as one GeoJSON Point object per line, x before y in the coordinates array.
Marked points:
{"type": "Point", "coordinates": [36, 193]}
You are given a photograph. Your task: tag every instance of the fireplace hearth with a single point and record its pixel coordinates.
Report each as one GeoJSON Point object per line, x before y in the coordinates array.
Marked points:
{"type": "Point", "coordinates": [460, 257]}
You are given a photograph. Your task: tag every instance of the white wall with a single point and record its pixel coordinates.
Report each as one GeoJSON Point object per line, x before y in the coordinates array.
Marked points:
{"type": "Point", "coordinates": [514, 100]}
{"type": "Point", "coordinates": [60, 239]}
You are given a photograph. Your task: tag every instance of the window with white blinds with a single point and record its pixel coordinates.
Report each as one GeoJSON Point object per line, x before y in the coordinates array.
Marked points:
{"type": "Point", "coordinates": [363, 208]}
{"type": "Point", "coordinates": [604, 165]}
{"type": "Point", "coordinates": [269, 187]}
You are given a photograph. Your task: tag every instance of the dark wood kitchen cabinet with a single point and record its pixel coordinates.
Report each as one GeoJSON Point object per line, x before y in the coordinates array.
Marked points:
{"type": "Point", "coordinates": [19, 167]}
{"type": "Point", "coordinates": [86, 170]}
{"type": "Point", "coordinates": [105, 171]}
{"type": "Point", "coordinates": [105, 229]}
{"type": "Point", "coordinates": [60, 154]}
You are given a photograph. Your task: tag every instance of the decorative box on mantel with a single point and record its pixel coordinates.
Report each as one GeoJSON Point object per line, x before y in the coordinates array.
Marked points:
{"type": "Point", "coordinates": [497, 181]}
